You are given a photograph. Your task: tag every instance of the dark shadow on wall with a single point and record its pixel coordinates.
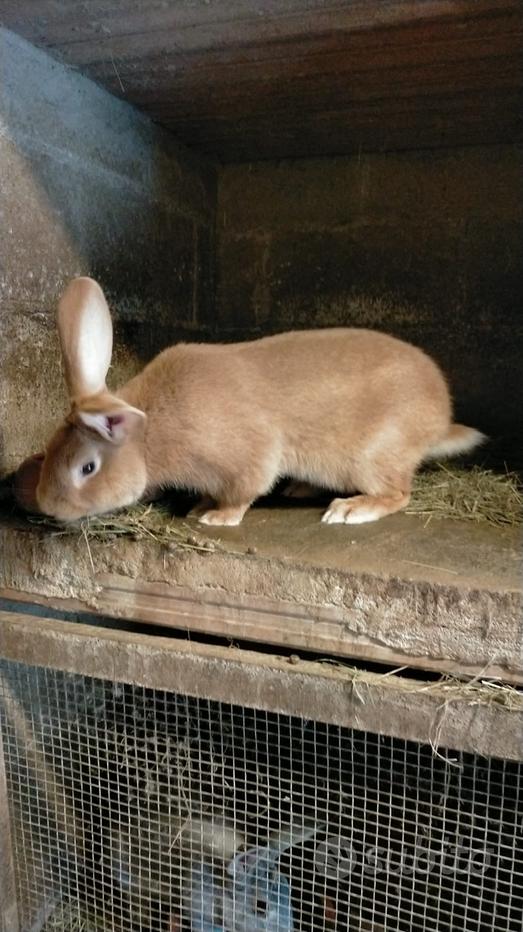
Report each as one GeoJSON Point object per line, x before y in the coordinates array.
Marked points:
{"type": "Point", "coordinates": [425, 246]}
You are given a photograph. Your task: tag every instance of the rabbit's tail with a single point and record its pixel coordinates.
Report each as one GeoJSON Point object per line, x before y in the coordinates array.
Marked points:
{"type": "Point", "coordinates": [460, 439]}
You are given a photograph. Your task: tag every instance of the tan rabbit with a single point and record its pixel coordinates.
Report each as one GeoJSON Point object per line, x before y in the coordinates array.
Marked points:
{"type": "Point", "coordinates": [344, 409]}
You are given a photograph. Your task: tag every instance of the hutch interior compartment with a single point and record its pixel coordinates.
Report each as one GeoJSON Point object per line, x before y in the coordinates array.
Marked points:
{"type": "Point", "coordinates": [227, 170]}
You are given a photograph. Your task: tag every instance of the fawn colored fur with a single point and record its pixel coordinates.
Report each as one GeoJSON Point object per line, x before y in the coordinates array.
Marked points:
{"type": "Point", "coordinates": [344, 409]}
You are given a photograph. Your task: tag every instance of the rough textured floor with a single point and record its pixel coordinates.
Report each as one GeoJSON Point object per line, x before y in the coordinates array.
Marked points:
{"type": "Point", "coordinates": [399, 545]}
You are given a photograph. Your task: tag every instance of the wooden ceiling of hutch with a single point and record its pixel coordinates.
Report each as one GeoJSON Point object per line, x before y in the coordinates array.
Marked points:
{"type": "Point", "coordinates": [258, 79]}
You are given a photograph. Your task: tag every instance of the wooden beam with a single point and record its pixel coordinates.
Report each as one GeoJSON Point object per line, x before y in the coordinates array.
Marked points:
{"type": "Point", "coordinates": [248, 619]}
{"type": "Point", "coordinates": [59, 23]}
{"type": "Point", "coordinates": [291, 78]}
{"type": "Point", "coordinates": [444, 715]}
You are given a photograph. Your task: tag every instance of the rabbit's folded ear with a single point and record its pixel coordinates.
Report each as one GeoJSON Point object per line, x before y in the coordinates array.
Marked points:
{"type": "Point", "coordinates": [111, 418]}
{"type": "Point", "coordinates": [86, 337]}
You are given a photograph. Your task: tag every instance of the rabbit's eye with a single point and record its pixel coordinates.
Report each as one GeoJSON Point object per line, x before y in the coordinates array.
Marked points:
{"type": "Point", "coordinates": [88, 468]}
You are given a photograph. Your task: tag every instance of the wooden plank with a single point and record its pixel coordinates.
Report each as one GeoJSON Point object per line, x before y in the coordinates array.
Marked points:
{"type": "Point", "coordinates": [443, 117]}
{"type": "Point", "coordinates": [391, 111]}
{"type": "Point", "coordinates": [57, 24]}
{"type": "Point", "coordinates": [351, 51]}
{"type": "Point", "coordinates": [263, 621]}
{"type": "Point", "coordinates": [321, 137]}
{"type": "Point", "coordinates": [258, 620]}
{"type": "Point", "coordinates": [488, 55]}
{"type": "Point", "coordinates": [323, 89]}
{"type": "Point", "coordinates": [405, 708]}
{"type": "Point", "coordinates": [202, 68]}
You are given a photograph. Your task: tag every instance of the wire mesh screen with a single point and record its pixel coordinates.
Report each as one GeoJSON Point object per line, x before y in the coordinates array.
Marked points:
{"type": "Point", "coordinates": [135, 809]}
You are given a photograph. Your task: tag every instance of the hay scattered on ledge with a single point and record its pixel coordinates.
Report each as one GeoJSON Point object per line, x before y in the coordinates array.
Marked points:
{"type": "Point", "coordinates": [139, 522]}
{"type": "Point", "coordinates": [480, 689]}
{"type": "Point", "coordinates": [474, 494]}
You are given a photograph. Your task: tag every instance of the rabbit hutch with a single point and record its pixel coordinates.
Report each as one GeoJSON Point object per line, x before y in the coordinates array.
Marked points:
{"type": "Point", "coordinates": [283, 725]}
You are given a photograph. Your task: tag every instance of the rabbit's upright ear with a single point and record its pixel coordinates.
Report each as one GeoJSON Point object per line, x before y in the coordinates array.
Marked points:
{"type": "Point", "coordinates": [86, 337]}
{"type": "Point", "coordinates": [110, 417]}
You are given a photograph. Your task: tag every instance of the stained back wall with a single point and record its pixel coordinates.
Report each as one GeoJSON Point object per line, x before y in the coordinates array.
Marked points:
{"type": "Point", "coordinates": [426, 246]}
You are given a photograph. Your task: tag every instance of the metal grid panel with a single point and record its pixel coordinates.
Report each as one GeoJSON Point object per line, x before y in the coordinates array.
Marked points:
{"type": "Point", "coordinates": [128, 803]}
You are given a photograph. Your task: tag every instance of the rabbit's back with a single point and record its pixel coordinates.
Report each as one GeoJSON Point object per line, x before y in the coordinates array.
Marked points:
{"type": "Point", "coordinates": [323, 380]}
{"type": "Point", "coordinates": [323, 367]}
{"type": "Point", "coordinates": [311, 401]}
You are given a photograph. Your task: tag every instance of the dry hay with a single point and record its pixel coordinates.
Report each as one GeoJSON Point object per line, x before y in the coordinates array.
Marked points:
{"type": "Point", "coordinates": [478, 690]}
{"type": "Point", "coordinates": [474, 494]}
{"type": "Point", "coordinates": [139, 522]}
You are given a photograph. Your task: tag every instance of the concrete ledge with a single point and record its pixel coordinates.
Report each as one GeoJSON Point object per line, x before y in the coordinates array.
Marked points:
{"type": "Point", "coordinates": [446, 597]}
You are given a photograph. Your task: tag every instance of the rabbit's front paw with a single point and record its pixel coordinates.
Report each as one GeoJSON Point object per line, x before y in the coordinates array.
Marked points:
{"type": "Point", "coordinates": [228, 516]}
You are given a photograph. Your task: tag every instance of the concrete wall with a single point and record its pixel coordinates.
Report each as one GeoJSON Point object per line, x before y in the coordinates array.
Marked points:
{"type": "Point", "coordinates": [426, 246]}
{"type": "Point", "coordinates": [89, 186]}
